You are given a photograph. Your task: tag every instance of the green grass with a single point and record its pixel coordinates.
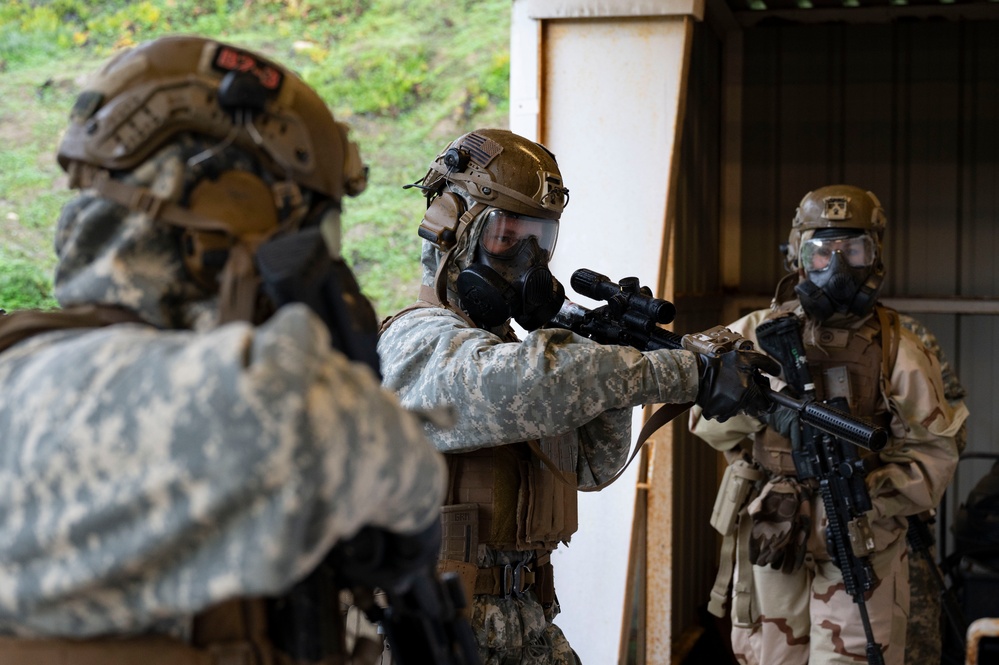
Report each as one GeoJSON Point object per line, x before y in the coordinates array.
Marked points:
{"type": "Point", "coordinates": [408, 75]}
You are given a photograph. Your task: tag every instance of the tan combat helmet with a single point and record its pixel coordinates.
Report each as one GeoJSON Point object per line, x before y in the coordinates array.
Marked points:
{"type": "Point", "coordinates": [497, 169]}
{"type": "Point", "coordinates": [146, 95]}
{"type": "Point", "coordinates": [146, 98]}
{"type": "Point", "coordinates": [836, 207]}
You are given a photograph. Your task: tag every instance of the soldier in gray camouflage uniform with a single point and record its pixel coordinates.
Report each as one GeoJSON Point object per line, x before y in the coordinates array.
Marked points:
{"type": "Point", "coordinates": [535, 419]}
{"type": "Point", "coordinates": [171, 447]}
{"type": "Point", "coordinates": [923, 637]}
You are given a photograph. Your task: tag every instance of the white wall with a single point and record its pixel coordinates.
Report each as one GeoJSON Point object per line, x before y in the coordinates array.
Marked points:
{"type": "Point", "coordinates": [603, 90]}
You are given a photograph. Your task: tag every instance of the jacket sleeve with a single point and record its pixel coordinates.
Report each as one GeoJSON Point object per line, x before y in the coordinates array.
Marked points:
{"type": "Point", "coordinates": [921, 457]}
{"type": "Point", "coordinates": [184, 469]}
{"type": "Point", "coordinates": [501, 392]}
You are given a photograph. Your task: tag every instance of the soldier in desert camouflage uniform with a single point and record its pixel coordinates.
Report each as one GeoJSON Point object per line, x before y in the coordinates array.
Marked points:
{"type": "Point", "coordinates": [171, 446]}
{"type": "Point", "coordinates": [788, 602]}
{"type": "Point", "coordinates": [923, 637]}
{"type": "Point", "coordinates": [538, 418]}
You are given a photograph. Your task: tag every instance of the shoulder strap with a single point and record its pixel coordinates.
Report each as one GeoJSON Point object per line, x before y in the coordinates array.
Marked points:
{"type": "Point", "coordinates": [427, 299]}
{"type": "Point", "coordinates": [21, 325]}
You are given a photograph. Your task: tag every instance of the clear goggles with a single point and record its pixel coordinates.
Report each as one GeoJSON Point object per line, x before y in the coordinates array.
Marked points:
{"type": "Point", "coordinates": [503, 231]}
{"type": "Point", "coordinates": [857, 251]}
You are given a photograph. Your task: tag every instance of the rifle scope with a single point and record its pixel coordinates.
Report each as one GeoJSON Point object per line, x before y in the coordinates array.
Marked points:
{"type": "Point", "coordinates": [629, 294]}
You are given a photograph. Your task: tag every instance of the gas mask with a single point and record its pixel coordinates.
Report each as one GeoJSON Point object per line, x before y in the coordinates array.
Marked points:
{"type": "Point", "coordinates": [509, 275]}
{"type": "Point", "coordinates": [840, 274]}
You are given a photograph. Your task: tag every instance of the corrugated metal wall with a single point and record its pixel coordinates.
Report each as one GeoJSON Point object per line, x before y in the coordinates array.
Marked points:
{"type": "Point", "coordinates": [911, 112]}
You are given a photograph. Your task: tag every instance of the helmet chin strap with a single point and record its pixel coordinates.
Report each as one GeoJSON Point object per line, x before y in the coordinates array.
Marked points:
{"type": "Point", "coordinates": [440, 278]}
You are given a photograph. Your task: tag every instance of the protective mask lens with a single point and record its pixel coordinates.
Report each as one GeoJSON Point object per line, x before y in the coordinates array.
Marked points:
{"type": "Point", "coordinates": [856, 251]}
{"type": "Point", "coordinates": [503, 232]}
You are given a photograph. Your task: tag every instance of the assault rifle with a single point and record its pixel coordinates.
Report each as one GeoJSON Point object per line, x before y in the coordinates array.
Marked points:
{"type": "Point", "coordinates": [422, 618]}
{"type": "Point", "coordinates": [832, 465]}
{"type": "Point", "coordinates": [632, 317]}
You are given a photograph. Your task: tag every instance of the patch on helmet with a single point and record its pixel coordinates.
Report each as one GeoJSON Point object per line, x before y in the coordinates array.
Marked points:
{"type": "Point", "coordinates": [837, 208]}
{"type": "Point", "coordinates": [229, 59]}
{"type": "Point", "coordinates": [481, 149]}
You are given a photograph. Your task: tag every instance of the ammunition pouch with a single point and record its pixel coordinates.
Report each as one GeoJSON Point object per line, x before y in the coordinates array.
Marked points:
{"type": "Point", "coordinates": [772, 451]}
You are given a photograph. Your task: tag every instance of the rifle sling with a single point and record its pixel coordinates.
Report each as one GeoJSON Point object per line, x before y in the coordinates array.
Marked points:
{"type": "Point", "coordinates": [662, 416]}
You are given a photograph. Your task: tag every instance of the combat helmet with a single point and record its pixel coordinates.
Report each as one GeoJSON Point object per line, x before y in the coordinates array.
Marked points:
{"type": "Point", "coordinates": [148, 94]}
{"type": "Point", "coordinates": [835, 207]}
{"type": "Point", "coordinates": [271, 157]}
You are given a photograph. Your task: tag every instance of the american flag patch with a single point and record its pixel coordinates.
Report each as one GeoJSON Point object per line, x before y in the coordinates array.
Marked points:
{"type": "Point", "coordinates": [482, 150]}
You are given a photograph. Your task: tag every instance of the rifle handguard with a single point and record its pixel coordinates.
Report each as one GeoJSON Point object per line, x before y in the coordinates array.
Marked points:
{"type": "Point", "coordinates": [835, 422]}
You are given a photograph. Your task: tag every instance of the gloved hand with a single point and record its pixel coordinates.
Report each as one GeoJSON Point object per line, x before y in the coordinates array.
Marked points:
{"type": "Point", "coordinates": [781, 523]}
{"type": "Point", "coordinates": [729, 384]}
{"type": "Point", "coordinates": [785, 421]}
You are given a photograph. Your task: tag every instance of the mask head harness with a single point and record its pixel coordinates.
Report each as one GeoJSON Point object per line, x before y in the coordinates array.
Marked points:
{"type": "Point", "coordinates": [493, 204]}
{"type": "Point", "coordinates": [835, 248]}
{"type": "Point", "coordinates": [300, 164]}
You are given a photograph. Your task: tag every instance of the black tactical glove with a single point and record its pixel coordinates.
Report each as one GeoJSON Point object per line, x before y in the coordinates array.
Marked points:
{"type": "Point", "coordinates": [730, 384]}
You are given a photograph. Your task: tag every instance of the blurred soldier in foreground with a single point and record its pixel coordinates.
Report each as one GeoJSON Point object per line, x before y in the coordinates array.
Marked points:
{"type": "Point", "coordinates": [538, 418]}
{"type": "Point", "coordinates": [790, 602]}
{"type": "Point", "coordinates": [183, 439]}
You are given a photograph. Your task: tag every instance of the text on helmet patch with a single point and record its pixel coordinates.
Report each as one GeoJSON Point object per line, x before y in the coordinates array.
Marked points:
{"type": "Point", "coordinates": [229, 59]}
{"type": "Point", "coordinates": [836, 208]}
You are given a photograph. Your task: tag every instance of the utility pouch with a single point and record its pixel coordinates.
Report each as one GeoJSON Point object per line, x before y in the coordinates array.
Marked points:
{"type": "Point", "coordinates": [460, 532]}
{"type": "Point", "coordinates": [545, 508]}
{"type": "Point", "coordinates": [738, 483]}
{"type": "Point", "coordinates": [773, 452]}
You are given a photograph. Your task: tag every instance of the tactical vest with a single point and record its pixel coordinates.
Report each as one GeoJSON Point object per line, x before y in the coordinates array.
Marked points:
{"type": "Point", "coordinates": [234, 632]}
{"type": "Point", "coordinates": [843, 362]}
{"type": "Point", "coordinates": [519, 496]}
{"type": "Point", "coordinates": [508, 498]}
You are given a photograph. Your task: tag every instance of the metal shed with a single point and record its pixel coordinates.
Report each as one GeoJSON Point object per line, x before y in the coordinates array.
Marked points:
{"type": "Point", "coordinates": [687, 132]}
